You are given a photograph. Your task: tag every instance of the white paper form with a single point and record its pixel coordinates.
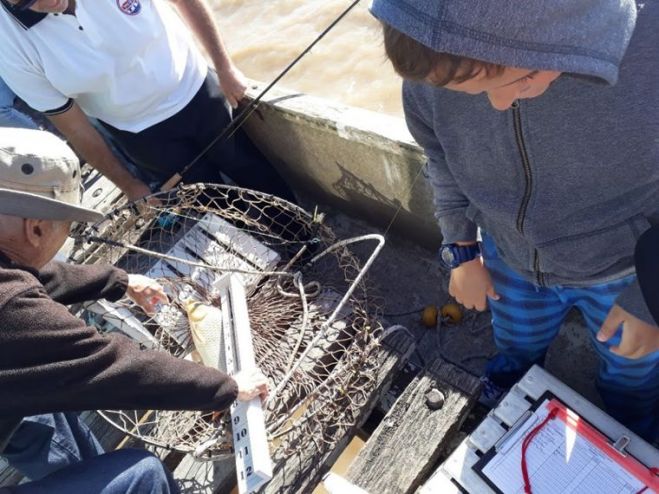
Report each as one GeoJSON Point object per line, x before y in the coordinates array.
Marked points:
{"type": "Point", "coordinates": [559, 460]}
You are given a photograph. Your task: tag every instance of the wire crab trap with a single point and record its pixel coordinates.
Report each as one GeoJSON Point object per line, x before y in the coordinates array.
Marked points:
{"type": "Point", "coordinates": [311, 325]}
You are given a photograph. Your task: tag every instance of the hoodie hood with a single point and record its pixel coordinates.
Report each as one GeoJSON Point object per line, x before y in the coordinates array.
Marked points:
{"type": "Point", "coordinates": [587, 37]}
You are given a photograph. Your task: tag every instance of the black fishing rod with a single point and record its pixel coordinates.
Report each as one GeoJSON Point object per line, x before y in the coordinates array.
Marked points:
{"type": "Point", "coordinates": [237, 122]}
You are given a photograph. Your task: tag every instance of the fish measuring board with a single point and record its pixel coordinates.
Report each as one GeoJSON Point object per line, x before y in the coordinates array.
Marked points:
{"type": "Point", "coordinates": [253, 463]}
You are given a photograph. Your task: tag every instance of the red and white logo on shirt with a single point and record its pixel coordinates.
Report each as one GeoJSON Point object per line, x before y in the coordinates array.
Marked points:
{"type": "Point", "coordinates": [129, 7]}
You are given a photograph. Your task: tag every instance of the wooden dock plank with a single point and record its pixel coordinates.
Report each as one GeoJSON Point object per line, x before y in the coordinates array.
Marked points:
{"type": "Point", "coordinates": [408, 441]}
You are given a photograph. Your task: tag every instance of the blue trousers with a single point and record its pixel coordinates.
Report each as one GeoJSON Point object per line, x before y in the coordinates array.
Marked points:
{"type": "Point", "coordinates": [526, 320]}
{"type": "Point", "coordinates": [59, 453]}
{"type": "Point", "coordinates": [9, 116]}
{"type": "Point", "coordinates": [126, 471]}
{"type": "Point", "coordinates": [43, 444]}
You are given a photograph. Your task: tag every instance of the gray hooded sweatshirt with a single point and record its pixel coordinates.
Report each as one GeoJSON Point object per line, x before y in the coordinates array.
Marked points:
{"type": "Point", "coordinates": [566, 182]}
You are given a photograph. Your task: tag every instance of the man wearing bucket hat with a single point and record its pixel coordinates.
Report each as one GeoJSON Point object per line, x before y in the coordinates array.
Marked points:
{"type": "Point", "coordinates": [539, 121]}
{"type": "Point", "coordinates": [51, 363]}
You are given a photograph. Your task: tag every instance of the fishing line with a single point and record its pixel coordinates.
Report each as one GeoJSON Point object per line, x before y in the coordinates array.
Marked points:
{"type": "Point", "coordinates": [237, 122]}
{"type": "Point", "coordinates": [400, 206]}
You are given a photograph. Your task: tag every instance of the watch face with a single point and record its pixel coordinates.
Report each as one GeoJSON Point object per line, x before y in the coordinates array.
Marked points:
{"type": "Point", "coordinates": [447, 256]}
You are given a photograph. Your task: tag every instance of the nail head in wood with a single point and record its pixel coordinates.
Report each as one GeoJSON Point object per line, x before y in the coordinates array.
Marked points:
{"type": "Point", "coordinates": [435, 399]}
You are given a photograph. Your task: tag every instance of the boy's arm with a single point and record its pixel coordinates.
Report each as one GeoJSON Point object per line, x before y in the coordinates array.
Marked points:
{"type": "Point", "coordinates": [450, 203]}
{"type": "Point", "coordinates": [470, 283]}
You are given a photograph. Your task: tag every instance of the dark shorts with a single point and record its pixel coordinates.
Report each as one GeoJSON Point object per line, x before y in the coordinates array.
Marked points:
{"type": "Point", "coordinates": [166, 148]}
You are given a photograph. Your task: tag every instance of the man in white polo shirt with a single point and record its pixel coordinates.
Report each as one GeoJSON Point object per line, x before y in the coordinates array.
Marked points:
{"type": "Point", "coordinates": [134, 66]}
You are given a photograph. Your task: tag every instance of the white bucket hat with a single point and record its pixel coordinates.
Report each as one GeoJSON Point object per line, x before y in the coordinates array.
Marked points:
{"type": "Point", "coordinates": [40, 177]}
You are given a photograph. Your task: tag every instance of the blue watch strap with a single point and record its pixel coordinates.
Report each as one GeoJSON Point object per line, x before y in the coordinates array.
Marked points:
{"type": "Point", "coordinates": [465, 253]}
{"type": "Point", "coordinates": [452, 255]}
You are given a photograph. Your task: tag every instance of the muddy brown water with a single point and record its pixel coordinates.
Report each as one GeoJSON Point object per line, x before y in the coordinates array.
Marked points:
{"type": "Point", "coordinates": [348, 66]}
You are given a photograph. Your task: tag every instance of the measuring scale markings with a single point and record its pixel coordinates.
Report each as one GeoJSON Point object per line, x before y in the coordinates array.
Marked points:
{"type": "Point", "coordinates": [253, 464]}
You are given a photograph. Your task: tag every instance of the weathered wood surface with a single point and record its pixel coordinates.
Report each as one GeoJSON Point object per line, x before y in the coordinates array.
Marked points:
{"type": "Point", "coordinates": [408, 441]}
{"type": "Point", "coordinates": [301, 472]}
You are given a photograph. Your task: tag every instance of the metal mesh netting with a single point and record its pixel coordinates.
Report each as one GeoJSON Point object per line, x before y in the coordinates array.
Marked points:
{"type": "Point", "coordinates": [312, 331]}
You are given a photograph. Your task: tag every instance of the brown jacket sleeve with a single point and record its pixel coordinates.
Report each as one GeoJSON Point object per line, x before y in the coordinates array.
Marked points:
{"type": "Point", "coordinates": [51, 361]}
{"type": "Point", "coordinates": [75, 283]}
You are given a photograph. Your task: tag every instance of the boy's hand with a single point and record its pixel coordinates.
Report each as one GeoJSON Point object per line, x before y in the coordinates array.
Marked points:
{"type": "Point", "coordinates": [145, 292]}
{"type": "Point", "coordinates": [471, 284]}
{"type": "Point", "coordinates": [638, 337]}
{"type": "Point", "coordinates": [251, 383]}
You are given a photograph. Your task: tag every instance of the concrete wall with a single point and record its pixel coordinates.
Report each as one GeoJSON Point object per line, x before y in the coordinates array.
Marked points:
{"type": "Point", "coordinates": [364, 163]}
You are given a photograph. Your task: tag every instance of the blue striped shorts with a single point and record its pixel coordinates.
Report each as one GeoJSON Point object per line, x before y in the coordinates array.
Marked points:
{"type": "Point", "coordinates": [527, 318]}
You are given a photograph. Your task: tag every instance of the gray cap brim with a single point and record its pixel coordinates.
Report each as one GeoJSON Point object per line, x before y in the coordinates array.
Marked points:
{"type": "Point", "coordinates": [26, 205]}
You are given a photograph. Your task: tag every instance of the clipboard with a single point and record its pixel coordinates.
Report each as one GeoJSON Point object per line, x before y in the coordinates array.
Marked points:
{"type": "Point", "coordinates": [567, 455]}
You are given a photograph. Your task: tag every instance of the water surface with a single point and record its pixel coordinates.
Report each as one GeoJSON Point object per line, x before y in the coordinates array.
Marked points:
{"type": "Point", "coordinates": [347, 66]}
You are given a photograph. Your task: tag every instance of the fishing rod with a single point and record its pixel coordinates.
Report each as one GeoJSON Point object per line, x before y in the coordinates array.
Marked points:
{"type": "Point", "coordinates": [237, 122]}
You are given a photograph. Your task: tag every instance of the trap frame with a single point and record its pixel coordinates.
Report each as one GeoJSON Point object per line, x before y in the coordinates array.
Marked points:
{"type": "Point", "coordinates": [314, 329]}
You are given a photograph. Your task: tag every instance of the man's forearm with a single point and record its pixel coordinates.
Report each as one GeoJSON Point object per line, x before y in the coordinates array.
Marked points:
{"type": "Point", "coordinates": [75, 283]}
{"type": "Point", "coordinates": [199, 17]}
{"type": "Point", "coordinates": [87, 141]}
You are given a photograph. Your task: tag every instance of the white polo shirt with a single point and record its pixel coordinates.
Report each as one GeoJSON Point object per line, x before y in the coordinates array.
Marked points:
{"type": "Point", "coordinates": [129, 63]}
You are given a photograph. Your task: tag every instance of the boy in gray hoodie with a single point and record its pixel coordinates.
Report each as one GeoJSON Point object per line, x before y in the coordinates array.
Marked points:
{"type": "Point", "coordinates": [540, 124]}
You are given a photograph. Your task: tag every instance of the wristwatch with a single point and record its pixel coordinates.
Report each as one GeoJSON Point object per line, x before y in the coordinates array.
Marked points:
{"type": "Point", "coordinates": [452, 255]}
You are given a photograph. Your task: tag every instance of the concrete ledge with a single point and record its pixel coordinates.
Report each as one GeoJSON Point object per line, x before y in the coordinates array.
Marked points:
{"type": "Point", "coordinates": [364, 163]}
